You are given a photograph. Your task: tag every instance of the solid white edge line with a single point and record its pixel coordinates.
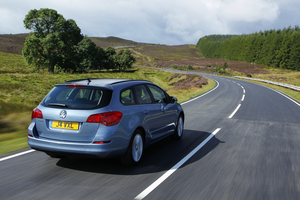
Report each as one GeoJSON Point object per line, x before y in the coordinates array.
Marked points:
{"type": "Point", "coordinates": [202, 94]}
{"type": "Point", "coordinates": [16, 155]}
{"type": "Point", "coordinates": [175, 167]}
{"type": "Point", "coordinates": [285, 96]}
{"type": "Point", "coordinates": [234, 111]}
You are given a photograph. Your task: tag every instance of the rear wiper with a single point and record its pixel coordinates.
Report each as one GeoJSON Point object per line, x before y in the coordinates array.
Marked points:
{"type": "Point", "coordinates": [57, 104]}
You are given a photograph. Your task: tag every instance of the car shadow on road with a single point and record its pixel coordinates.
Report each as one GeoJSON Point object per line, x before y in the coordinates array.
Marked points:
{"type": "Point", "coordinates": [159, 157]}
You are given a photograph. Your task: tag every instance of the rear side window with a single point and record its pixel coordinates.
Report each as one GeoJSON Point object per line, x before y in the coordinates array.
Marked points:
{"type": "Point", "coordinates": [78, 97]}
{"type": "Point", "coordinates": [142, 94]}
{"type": "Point", "coordinates": [127, 97]}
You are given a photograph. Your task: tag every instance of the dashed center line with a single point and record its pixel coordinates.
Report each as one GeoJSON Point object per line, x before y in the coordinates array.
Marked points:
{"type": "Point", "coordinates": [234, 111]}
{"type": "Point", "coordinates": [243, 98]}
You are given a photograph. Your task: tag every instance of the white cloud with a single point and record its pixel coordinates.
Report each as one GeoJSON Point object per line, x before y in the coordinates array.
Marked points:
{"type": "Point", "coordinates": [250, 11]}
{"type": "Point", "coordinates": [156, 21]}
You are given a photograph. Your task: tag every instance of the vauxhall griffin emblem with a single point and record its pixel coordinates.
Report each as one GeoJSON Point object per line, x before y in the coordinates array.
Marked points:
{"type": "Point", "coordinates": [63, 114]}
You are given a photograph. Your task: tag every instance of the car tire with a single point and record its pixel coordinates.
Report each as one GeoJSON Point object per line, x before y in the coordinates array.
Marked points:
{"type": "Point", "coordinates": [179, 129]}
{"type": "Point", "coordinates": [135, 150]}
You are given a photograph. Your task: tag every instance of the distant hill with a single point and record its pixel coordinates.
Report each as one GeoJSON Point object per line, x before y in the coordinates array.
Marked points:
{"type": "Point", "coordinates": [105, 42]}
{"type": "Point", "coordinates": [13, 43]}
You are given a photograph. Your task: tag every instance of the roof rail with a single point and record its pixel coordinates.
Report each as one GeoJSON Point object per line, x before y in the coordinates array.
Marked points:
{"type": "Point", "coordinates": [127, 80]}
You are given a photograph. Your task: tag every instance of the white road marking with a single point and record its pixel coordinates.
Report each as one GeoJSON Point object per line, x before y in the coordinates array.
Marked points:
{"type": "Point", "coordinates": [243, 97]}
{"type": "Point", "coordinates": [16, 155]}
{"type": "Point", "coordinates": [285, 96]}
{"type": "Point", "coordinates": [234, 111]}
{"type": "Point", "coordinates": [175, 167]}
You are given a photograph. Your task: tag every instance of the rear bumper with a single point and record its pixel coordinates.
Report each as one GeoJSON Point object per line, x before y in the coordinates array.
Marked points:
{"type": "Point", "coordinates": [99, 150]}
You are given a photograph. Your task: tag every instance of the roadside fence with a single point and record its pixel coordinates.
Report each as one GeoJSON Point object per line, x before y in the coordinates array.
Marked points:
{"type": "Point", "coordinates": [271, 82]}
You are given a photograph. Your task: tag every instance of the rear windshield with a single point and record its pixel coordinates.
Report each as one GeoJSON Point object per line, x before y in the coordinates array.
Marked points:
{"type": "Point", "coordinates": [78, 97]}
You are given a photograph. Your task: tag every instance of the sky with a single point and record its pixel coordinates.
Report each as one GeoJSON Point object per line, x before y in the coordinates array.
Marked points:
{"type": "Point", "coordinates": [171, 22]}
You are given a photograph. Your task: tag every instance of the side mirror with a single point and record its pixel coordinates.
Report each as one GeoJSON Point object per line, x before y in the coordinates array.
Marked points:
{"type": "Point", "coordinates": [173, 99]}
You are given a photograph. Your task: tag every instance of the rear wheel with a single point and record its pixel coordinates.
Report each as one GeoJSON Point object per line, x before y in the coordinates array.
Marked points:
{"type": "Point", "coordinates": [179, 129]}
{"type": "Point", "coordinates": [135, 150]}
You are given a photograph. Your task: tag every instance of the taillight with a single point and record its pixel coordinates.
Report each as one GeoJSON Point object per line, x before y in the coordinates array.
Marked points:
{"type": "Point", "coordinates": [107, 119]}
{"type": "Point", "coordinates": [36, 113]}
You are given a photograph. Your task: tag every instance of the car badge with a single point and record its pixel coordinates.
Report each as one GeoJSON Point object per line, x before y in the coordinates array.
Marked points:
{"type": "Point", "coordinates": [63, 114]}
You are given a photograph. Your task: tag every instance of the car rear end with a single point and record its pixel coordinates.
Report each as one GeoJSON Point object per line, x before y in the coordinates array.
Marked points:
{"type": "Point", "coordinates": [77, 119]}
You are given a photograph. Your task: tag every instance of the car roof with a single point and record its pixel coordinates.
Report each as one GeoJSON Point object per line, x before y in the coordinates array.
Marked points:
{"type": "Point", "coordinates": [107, 83]}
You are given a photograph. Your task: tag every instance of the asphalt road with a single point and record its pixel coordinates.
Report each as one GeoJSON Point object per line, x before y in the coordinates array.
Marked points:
{"type": "Point", "coordinates": [254, 153]}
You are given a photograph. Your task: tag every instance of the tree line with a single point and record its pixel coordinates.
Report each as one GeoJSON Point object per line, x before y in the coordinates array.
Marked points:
{"type": "Point", "coordinates": [275, 48]}
{"type": "Point", "coordinates": [56, 44]}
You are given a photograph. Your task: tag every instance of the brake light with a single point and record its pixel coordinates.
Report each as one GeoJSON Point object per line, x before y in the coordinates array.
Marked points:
{"type": "Point", "coordinates": [75, 86]}
{"type": "Point", "coordinates": [107, 119]}
{"type": "Point", "coordinates": [36, 113]}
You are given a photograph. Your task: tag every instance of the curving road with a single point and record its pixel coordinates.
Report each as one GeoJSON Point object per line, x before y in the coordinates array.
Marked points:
{"type": "Point", "coordinates": [241, 141]}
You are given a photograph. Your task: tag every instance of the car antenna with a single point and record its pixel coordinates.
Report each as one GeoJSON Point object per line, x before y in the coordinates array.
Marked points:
{"type": "Point", "coordinates": [89, 80]}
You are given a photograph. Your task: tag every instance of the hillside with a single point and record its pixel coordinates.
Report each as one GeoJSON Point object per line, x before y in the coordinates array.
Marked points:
{"type": "Point", "coordinates": [181, 57]}
{"type": "Point", "coordinates": [149, 55]}
{"type": "Point", "coordinates": [14, 43]}
{"type": "Point", "coordinates": [105, 42]}
{"type": "Point", "coordinates": [274, 48]}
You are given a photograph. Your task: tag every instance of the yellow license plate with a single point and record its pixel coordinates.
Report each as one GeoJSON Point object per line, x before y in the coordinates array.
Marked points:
{"type": "Point", "coordinates": [65, 125]}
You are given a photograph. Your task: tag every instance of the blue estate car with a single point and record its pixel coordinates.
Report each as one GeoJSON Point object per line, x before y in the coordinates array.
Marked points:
{"type": "Point", "coordinates": [104, 118]}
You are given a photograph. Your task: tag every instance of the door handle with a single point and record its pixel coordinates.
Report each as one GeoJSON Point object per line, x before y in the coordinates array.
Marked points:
{"type": "Point", "coordinates": [145, 111]}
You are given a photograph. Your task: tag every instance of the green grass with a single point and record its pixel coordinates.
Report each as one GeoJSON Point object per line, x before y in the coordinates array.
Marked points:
{"type": "Point", "coordinates": [12, 63]}
{"type": "Point", "coordinates": [13, 133]}
{"type": "Point", "coordinates": [281, 75]}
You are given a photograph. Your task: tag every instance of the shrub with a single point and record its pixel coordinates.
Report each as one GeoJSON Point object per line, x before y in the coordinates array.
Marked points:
{"type": "Point", "coordinates": [190, 67]}
{"type": "Point", "coordinates": [225, 65]}
{"type": "Point", "coordinates": [189, 81]}
{"type": "Point", "coordinates": [219, 69]}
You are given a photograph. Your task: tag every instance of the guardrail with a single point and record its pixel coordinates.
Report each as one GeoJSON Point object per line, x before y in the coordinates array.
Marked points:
{"type": "Point", "coordinates": [271, 82]}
